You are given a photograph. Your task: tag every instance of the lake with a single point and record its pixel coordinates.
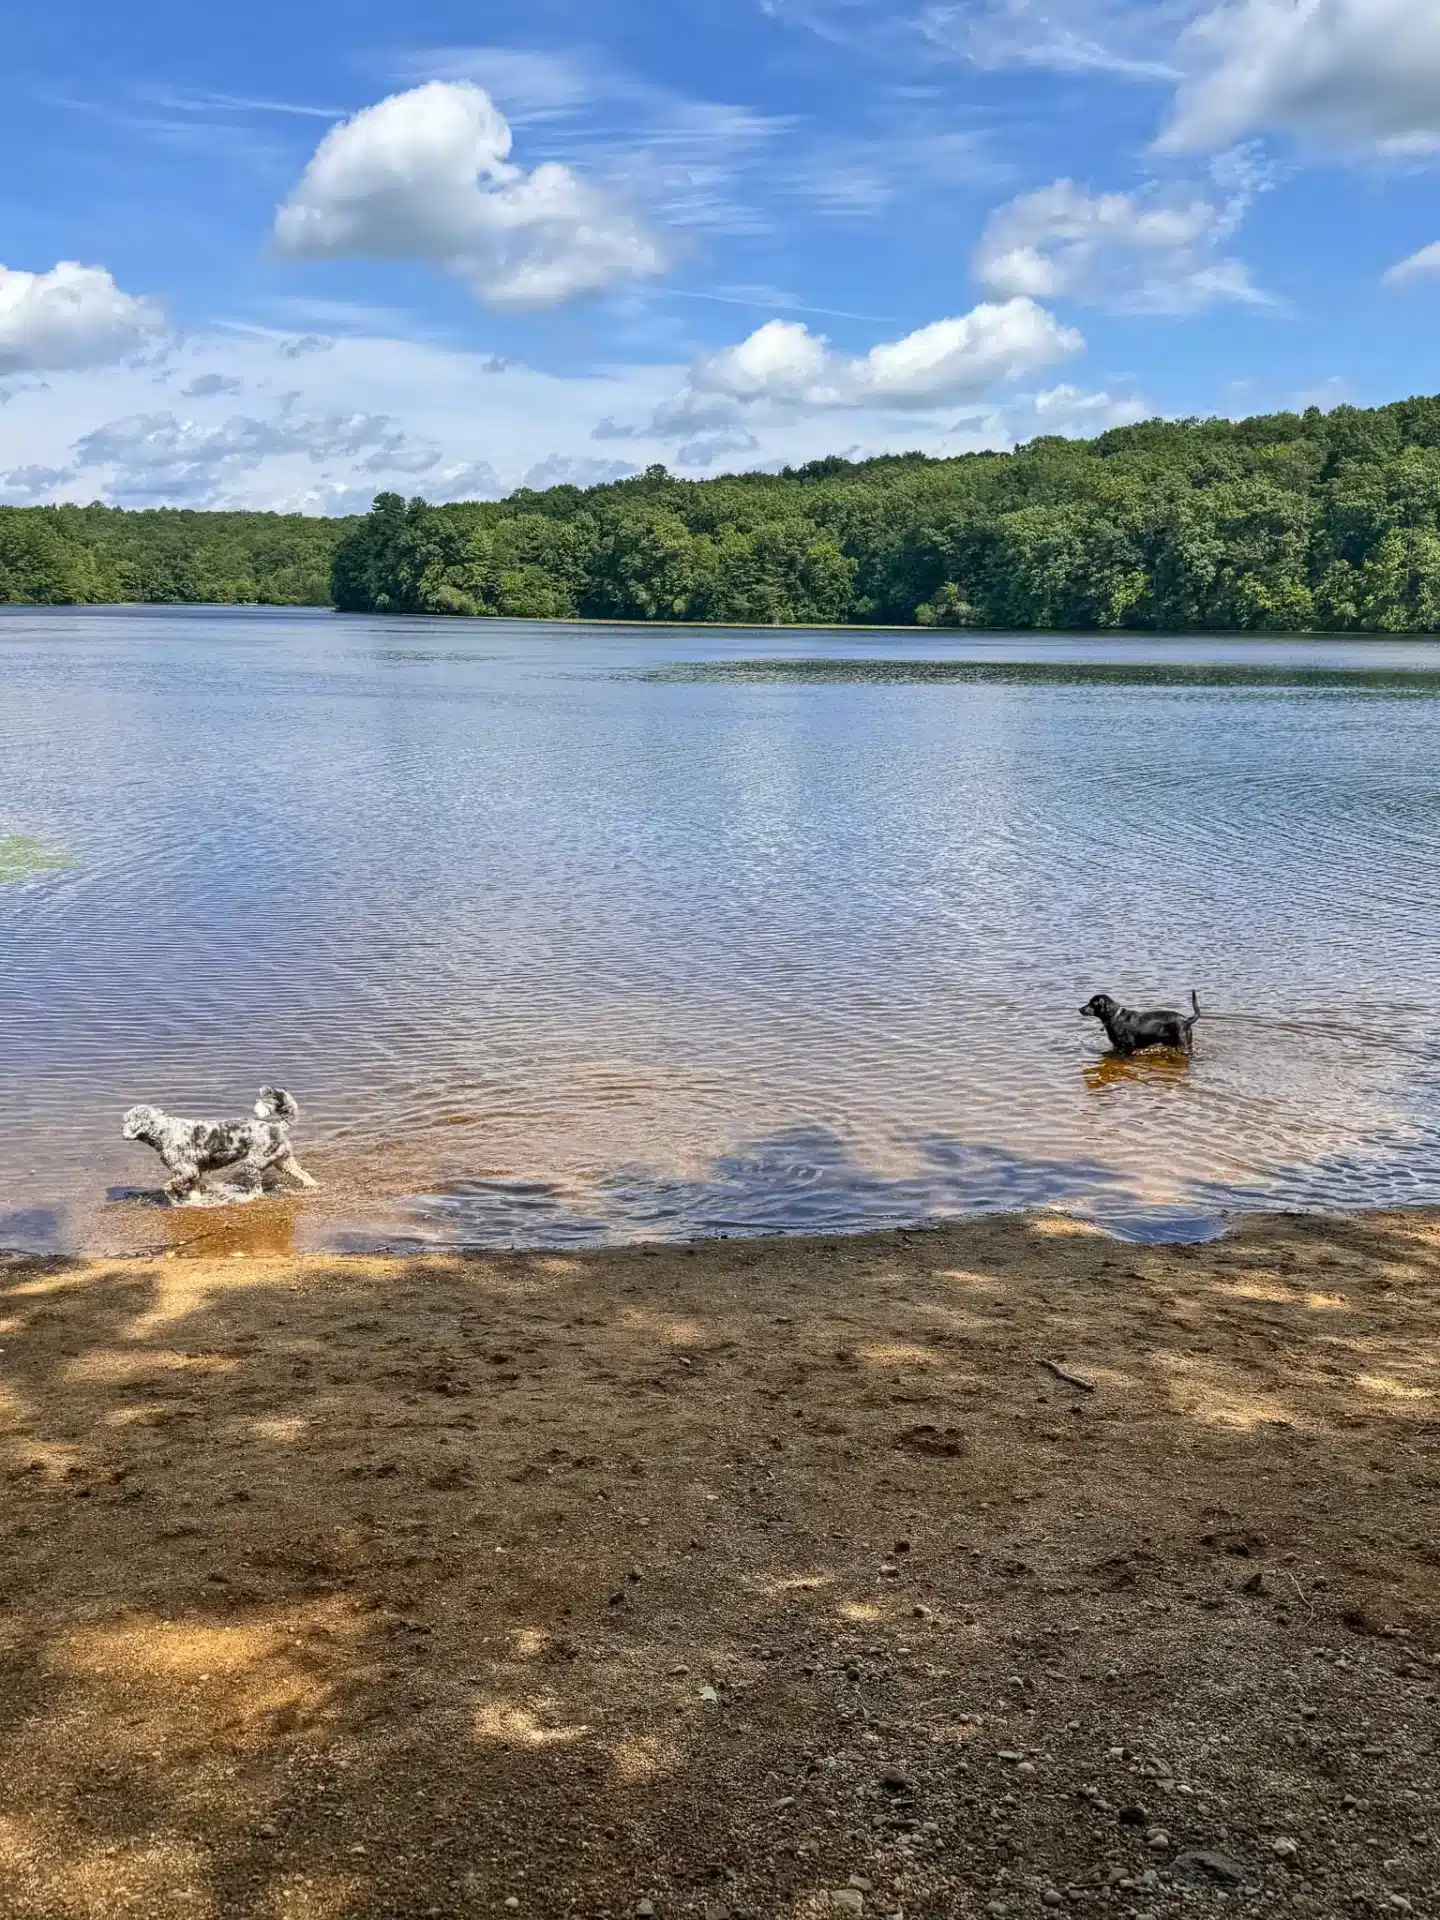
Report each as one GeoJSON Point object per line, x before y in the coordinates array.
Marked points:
{"type": "Point", "coordinates": [565, 935]}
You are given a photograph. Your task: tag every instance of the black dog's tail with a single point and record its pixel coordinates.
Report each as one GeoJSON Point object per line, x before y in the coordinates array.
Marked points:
{"type": "Point", "coordinates": [275, 1104]}
{"type": "Point", "coordinates": [1196, 1014]}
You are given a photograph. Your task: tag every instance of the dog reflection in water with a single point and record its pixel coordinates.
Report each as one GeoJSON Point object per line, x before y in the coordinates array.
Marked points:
{"type": "Point", "coordinates": [1158, 1068]}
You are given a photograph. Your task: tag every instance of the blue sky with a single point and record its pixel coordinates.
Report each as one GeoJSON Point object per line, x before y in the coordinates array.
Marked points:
{"type": "Point", "coordinates": [285, 256]}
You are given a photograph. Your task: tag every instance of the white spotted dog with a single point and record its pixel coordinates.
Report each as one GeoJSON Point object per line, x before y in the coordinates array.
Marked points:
{"type": "Point", "coordinates": [192, 1148]}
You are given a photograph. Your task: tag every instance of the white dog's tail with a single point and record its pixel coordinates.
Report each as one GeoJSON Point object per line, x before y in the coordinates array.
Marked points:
{"type": "Point", "coordinates": [275, 1104]}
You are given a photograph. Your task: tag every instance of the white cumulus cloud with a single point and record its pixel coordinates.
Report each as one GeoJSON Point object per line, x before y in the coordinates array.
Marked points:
{"type": "Point", "coordinates": [1118, 249]}
{"type": "Point", "coordinates": [427, 175]}
{"type": "Point", "coordinates": [949, 360]}
{"type": "Point", "coordinates": [1350, 73]}
{"type": "Point", "coordinates": [1416, 266]}
{"type": "Point", "coordinates": [71, 317]}
{"type": "Point", "coordinates": [782, 360]}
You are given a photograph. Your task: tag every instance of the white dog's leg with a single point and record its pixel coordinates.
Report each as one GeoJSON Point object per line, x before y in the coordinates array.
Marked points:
{"type": "Point", "coordinates": [293, 1167]}
{"type": "Point", "coordinates": [184, 1186]}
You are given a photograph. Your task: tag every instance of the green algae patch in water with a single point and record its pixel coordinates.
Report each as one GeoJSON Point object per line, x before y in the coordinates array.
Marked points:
{"type": "Point", "coordinates": [22, 858]}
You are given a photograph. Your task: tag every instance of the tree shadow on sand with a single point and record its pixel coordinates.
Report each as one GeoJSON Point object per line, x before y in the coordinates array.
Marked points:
{"type": "Point", "coordinates": [714, 1575]}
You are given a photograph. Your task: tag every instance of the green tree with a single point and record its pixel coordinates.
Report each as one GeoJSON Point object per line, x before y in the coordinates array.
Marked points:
{"type": "Point", "coordinates": [1398, 589]}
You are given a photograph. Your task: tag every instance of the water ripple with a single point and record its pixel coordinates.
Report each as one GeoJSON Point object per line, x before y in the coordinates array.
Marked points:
{"type": "Point", "coordinates": [565, 936]}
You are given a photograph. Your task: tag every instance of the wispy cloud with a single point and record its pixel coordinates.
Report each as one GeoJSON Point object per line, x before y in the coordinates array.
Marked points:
{"type": "Point", "coordinates": [1131, 39]}
{"type": "Point", "coordinates": [688, 162]}
{"type": "Point", "coordinates": [860, 176]}
{"type": "Point", "coordinates": [532, 87]}
{"type": "Point", "coordinates": [770, 299]}
{"type": "Point", "coordinates": [180, 122]}
{"type": "Point", "coordinates": [200, 100]}
{"type": "Point", "coordinates": [1121, 37]}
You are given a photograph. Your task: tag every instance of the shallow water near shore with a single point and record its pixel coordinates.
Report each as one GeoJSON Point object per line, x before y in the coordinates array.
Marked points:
{"type": "Point", "coordinates": [568, 935]}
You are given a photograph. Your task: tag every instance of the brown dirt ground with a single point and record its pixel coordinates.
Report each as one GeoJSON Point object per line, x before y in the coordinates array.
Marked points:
{"type": "Point", "coordinates": [728, 1578]}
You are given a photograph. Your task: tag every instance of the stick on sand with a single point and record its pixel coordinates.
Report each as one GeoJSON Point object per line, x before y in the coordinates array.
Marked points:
{"type": "Point", "coordinates": [1070, 1379]}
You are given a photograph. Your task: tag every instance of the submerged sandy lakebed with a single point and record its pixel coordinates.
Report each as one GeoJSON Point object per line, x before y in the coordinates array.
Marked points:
{"type": "Point", "coordinates": [750, 1578]}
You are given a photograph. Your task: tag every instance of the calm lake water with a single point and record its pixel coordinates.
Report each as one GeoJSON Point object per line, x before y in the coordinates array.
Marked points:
{"type": "Point", "coordinates": [565, 935]}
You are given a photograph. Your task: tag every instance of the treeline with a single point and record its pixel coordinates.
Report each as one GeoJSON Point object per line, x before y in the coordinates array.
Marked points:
{"type": "Point", "coordinates": [102, 555]}
{"type": "Point", "coordinates": [1279, 523]}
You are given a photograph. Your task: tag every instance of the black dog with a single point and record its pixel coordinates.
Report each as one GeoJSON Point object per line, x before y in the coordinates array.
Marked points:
{"type": "Point", "coordinates": [1130, 1031]}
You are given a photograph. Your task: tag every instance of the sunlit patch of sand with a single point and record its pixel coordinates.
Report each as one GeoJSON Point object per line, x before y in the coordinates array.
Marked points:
{"type": "Point", "coordinates": [524, 1727]}
{"type": "Point", "coordinates": [897, 1354]}
{"type": "Point", "coordinates": [51, 1874]}
{"type": "Point", "coordinates": [1273, 1295]}
{"type": "Point", "coordinates": [163, 1650]}
{"type": "Point", "coordinates": [252, 1671]}
{"type": "Point", "coordinates": [663, 1328]}
{"type": "Point", "coordinates": [972, 1282]}
{"type": "Point", "coordinates": [638, 1757]}
{"type": "Point", "coordinates": [861, 1612]}
{"type": "Point", "coordinates": [148, 1414]}
{"type": "Point", "coordinates": [790, 1586]}
{"type": "Point", "coordinates": [285, 1428]}
{"type": "Point", "coordinates": [1197, 1390]}
{"type": "Point", "coordinates": [530, 1643]}
{"type": "Point", "coordinates": [1389, 1388]}
{"type": "Point", "coordinates": [42, 1284]}
{"type": "Point", "coordinates": [48, 1460]}
{"type": "Point", "coordinates": [105, 1367]}
{"type": "Point", "coordinates": [179, 1292]}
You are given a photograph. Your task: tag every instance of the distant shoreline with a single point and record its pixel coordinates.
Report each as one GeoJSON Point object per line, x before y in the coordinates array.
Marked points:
{"type": "Point", "coordinates": [1084, 636]}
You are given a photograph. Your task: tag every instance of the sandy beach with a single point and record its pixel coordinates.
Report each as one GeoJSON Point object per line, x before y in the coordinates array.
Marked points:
{"type": "Point", "coordinates": [750, 1579]}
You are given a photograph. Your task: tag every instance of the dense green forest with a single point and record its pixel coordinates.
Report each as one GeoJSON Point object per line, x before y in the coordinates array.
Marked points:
{"type": "Point", "coordinates": [102, 555]}
{"type": "Point", "coordinates": [1278, 523]}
